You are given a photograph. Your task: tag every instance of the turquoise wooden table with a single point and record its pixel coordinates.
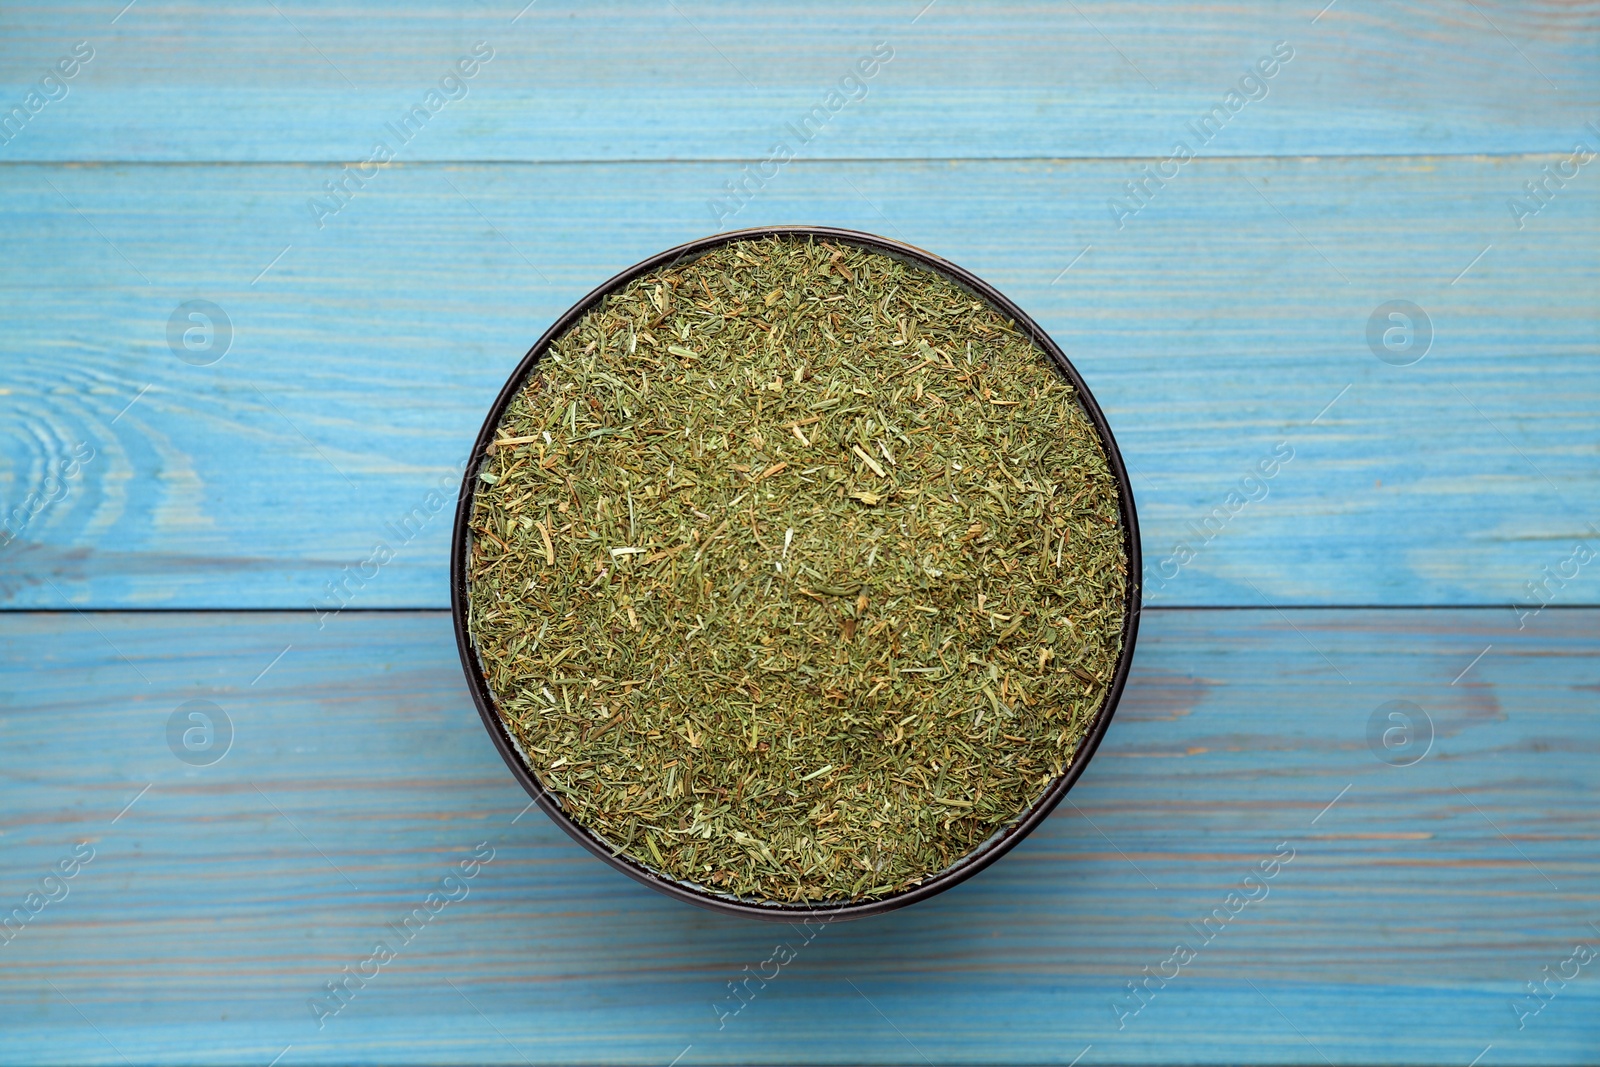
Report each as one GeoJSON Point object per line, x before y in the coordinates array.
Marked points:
{"type": "Point", "coordinates": [1376, 672]}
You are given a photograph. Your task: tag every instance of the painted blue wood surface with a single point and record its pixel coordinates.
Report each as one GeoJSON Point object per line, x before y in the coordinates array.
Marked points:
{"type": "Point", "coordinates": [713, 79]}
{"type": "Point", "coordinates": [1224, 317]}
{"type": "Point", "coordinates": [1217, 323]}
{"type": "Point", "coordinates": [1418, 901]}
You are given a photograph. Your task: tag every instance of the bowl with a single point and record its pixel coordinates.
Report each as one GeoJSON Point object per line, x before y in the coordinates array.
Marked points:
{"type": "Point", "coordinates": [987, 851]}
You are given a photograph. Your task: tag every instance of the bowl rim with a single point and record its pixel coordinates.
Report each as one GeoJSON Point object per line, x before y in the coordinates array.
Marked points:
{"type": "Point", "coordinates": [987, 851]}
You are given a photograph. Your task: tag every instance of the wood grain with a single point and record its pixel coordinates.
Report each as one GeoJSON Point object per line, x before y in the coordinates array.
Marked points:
{"type": "Point", "coordinates": [1222, 321]}
{"type": "Point", "coordinates": [1411, 914]}
{"type": "Point", "coordinates": [1214, 326]}
{"type": "Point", "coordinates": [712, 79]}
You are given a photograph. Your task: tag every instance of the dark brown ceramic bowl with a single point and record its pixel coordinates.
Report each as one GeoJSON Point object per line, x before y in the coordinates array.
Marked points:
{"type": "Point", "coordinates": [983, 854]}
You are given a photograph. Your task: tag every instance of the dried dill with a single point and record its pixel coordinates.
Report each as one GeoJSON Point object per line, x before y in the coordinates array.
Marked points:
{"type": "Point", "coordinates": [796, 571]}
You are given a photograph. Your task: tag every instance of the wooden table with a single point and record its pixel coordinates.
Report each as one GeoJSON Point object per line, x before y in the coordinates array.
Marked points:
{"type": "Point", "coordinates": [1432, 540]}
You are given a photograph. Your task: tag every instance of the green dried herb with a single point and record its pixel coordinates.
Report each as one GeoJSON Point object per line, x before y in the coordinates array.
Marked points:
{"type": "Point", "coordinates": [797, 571]}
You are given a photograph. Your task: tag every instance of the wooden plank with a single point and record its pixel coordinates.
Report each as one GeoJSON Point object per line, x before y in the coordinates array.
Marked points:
{"type": "Point", "coordinates": [1224, 322]}
{"type": "Point", "coordinates": [713, 79]}
{"type": "Point", "coordinates": [1418, 901]}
